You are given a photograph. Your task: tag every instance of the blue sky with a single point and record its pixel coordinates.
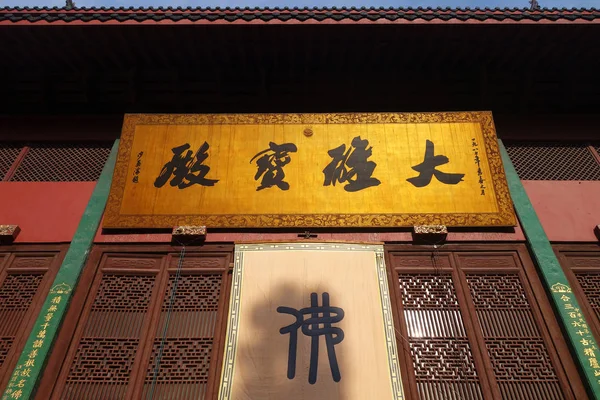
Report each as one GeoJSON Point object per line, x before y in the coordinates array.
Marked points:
{"type": "Point", "coordinates": [308, 3]}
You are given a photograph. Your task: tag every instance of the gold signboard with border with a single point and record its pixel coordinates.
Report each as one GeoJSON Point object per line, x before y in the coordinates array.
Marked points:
{"type": "Point", "coordinates": [309, 170]}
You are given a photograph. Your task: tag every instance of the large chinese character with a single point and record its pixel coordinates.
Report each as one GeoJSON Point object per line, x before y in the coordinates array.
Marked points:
{"type": "Point", "coordinates": [351, 166]}
{"type": "Point", "coordinates": [270, 165]}
{"type": "Point", "coordinates": [318, 324]}
{"type": "Point", "coordinates": [187, 170]}
{"type": "Point", "coordinates": [427, 169]}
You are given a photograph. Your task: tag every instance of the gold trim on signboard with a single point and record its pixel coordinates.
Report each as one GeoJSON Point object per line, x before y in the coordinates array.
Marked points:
{"type": "Point", "coordinates": [504, 217]}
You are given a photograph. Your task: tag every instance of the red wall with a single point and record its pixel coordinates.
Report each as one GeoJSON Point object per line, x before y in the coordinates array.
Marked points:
{"type": "Point", "coordinates": [50, 212]}
{"type": "Point", "coordinates": [45, 211]}
{"type": "Point", "coordinates": [568, 210]}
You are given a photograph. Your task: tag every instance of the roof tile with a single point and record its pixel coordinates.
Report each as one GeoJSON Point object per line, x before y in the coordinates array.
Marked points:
{"type": "Point", "coordinates": [10, 15]}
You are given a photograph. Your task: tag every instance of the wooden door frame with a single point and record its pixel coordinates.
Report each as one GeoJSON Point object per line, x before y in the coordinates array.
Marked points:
{"type": "Point", "coordinates": [544, 315]}
{"type": "Point", "coordinates": [563, 253]}
{"type": "Point", "coordinates": [59, 251]}
{"type": "Point", "coordinates": [55, 367]}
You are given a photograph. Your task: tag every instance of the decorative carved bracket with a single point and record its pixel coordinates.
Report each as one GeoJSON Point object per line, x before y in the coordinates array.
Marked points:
{"type": "Point", "coordinates": [430, 234]}
{"type": "Point", "coordinates": [8, 233]}
{"type": "Point", "coordinates": [186, 234]}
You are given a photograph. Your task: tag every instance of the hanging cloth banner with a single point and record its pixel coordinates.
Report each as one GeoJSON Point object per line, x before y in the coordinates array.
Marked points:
{"type": "Point", "coordinates": [310, 321]}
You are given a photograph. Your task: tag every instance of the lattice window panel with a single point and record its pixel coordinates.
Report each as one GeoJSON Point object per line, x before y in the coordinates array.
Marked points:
{"type": "Point", "coordinates": [520, 359]}
{"type": "Point", "coordinates": [590, 284]}
{"type": "Point", "coordinates": [16, 294]}
{"type": "Point", "coordinates": [186, 350]}
{"type": "Point", "coordinates": [62, 163]}
{"type": "Point", "coordinates": [8, 155]}
{"type": "Point", "coordinates": [441, 353]}
{"type": "Point", "coordinates": [105, 354]}
{"type": "Point", "coordinates": [126, 320]}
{"type": "Point", "coordinates": [554, 161]}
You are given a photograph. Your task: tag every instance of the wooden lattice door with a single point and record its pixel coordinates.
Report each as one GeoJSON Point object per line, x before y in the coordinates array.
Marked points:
{"type": "Point", "coordinates": [148, 324]}
{"type": "Point", "coordinates": [26, 273]}
{"type": "Point", "coordinates": [474, 323]}
{"type": "Point", "coordinates": [581, 264]}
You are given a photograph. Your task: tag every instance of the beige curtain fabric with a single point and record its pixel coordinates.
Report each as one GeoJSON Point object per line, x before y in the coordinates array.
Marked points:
{"type": "Point", "coordinates": [287, 278]}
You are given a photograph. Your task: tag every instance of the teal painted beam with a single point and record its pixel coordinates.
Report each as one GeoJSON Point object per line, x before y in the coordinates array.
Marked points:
{"type": "Point", "coordinates": [582, 342]}
{"type": "Point", "coordinates": [30, 366]}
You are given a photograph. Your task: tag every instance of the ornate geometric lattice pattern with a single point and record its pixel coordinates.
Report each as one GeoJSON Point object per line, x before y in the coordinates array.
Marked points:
{"type": "Point", "coordinates": [182, 360]}
{"type": "Point", "coordinates": [434, 323]}
{"type": "Point", "coordinates": [430, 291]}
{"type": "Point", "coordinates": [103, 360]}
{"type": "Point", "coordinates": [552, 161]}
{"type": "Point", "coordinates": [189, 336]}
{"type": "Point", "coordinates": [516, 349]}
{"type": "Point", "coordinates": [106, 352]}
{"type": "Point", "coordinates": [124, 292]}
{"type": "Point", "coordinates": [18, 290]}
{"type": "Point", "coordinates": [520, 360]}
{"type": "Point", "coordinates": [443, 359]}
{"type": "Point", "coordinates": [8, 155]}
{"type": "Point", "coordinates": [16, 294]}
{"type": "Point", "coordinates": [497, 291]}
{"type": "Point", "coordinates": [62, 163]}
{"type": "Point", "coordinates": [194, 293]}
{"type": "Point", "coordinates": [436, 390]}
{"type": "Point", "coordinates": [590, 283]}
{"type": "Point", "coordinates": [5, 343]}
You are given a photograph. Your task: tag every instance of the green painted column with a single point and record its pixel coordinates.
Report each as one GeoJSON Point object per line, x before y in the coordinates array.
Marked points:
{"type": "Point", "coordinates": [31, 363]}
{"type": "Point", "coordinates": [580, 338]}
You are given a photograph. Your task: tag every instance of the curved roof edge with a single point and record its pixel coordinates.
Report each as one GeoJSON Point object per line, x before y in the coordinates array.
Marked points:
{"type": "Point", "coordinates": [285, 15]}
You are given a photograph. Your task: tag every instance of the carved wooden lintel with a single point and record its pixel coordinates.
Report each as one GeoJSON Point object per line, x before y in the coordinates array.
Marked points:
{"type": "Point", "coordinates": [431, 234]}
{"type": "Point", "coordinates": [8, 233]}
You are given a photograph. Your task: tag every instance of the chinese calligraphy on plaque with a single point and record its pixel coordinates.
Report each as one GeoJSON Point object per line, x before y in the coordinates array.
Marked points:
{"type": "Point", "coordinates": [428, 169]}
{"type": "Point", "coordinates": [351, 166]}
{"type": "Point", "coordinates": [270, 163]}
{"type": "Point", "coordinates": [210, 169]}
{"type": "Point", "coordinates": [186, 170]}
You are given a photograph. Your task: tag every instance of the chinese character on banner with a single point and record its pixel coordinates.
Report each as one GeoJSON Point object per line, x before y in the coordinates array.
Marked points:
{"type": "Point", "coordinates": [318, 324]}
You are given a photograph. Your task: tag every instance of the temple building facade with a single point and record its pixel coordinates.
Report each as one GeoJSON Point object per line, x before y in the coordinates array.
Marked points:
{"type": "Point", "coordinates": [295, 203]}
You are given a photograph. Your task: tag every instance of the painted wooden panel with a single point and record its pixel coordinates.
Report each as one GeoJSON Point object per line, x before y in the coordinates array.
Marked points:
{"type": "Point", "coordinates": [290, 170]}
